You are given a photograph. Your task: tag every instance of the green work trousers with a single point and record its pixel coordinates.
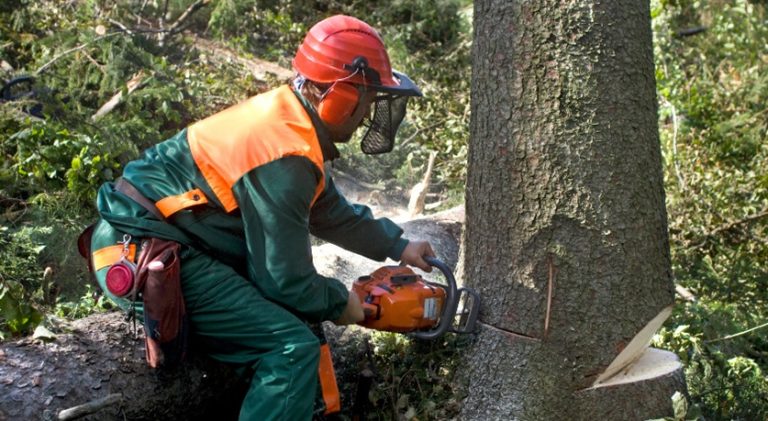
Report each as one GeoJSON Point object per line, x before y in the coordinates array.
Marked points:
{"type": "Point", "coordinates": [236, 325]}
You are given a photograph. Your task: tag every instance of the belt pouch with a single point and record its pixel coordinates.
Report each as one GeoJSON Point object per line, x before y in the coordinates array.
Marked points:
{"type": "Point", "coordinates": [166, 325]}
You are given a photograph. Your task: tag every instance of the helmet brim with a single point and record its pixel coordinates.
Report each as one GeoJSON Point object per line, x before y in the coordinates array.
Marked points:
{"type": "Point", "coordinates": [404, 86]}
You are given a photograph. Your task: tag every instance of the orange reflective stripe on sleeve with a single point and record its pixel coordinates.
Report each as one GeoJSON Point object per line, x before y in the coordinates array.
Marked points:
{"type": "Point", "coordinates": [172, 204]}
{"type": "Point", "coordinates": [328, 381]}
{"type": "Point", "coordinates": [110, 255]}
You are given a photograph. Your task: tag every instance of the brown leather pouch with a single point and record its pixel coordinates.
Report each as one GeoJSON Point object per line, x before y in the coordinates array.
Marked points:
{"type": "Point", "coordinates": [166, 325]}
{"type": "Point", "coordinates": [84, 245]}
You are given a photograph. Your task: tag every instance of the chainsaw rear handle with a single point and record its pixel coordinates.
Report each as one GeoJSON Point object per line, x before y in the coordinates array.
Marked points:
{"type": "Point", "coordinates": [6, 92]}
{"type": "Point", "coordinates": [451, 302]}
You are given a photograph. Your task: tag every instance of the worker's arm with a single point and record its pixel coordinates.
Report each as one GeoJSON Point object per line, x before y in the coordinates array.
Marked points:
{"type": "Point", "coordinates": [354, 228]}
{"type": "Point", "coordinates": [274, 201]}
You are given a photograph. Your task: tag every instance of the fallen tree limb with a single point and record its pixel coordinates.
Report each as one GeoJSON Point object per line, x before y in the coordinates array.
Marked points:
{"type": "Point", "coordinates": [260, 69]}
{"type": "Point", "coordinates": [90, 407]}
{"type": "Point", "coordinates": [186, 14]}
{"type": "Point", "coordinates": [735, 335]}
{"type": "Point", "coordinates": [135, 83]}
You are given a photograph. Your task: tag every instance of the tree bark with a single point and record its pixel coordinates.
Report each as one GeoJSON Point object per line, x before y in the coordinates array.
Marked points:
{"type": "Point", "coordinates": [566, 230]}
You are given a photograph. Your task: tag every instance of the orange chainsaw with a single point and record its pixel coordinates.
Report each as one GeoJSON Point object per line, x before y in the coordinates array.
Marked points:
{"type": "Point", "coordinates": [396, 299]}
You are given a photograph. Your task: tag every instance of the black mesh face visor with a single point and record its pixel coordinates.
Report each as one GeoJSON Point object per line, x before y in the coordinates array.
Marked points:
{"type": "Point", "coordinates": [388, 113]}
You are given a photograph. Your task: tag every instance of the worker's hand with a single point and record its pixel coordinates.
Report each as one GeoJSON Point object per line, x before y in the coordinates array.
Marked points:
{"type": "Point", "coordinates": [353, 312]}
{"type": "Point", "coordinates": [413, 255]}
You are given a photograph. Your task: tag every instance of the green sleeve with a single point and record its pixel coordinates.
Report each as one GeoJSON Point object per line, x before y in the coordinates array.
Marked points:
{"type": "Point", "coordinates": [353, 227]}
{"type": "Point", "coordinates": [274, 200]}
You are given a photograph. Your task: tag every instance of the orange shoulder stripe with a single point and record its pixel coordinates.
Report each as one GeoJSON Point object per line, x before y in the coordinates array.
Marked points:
{"type": "Point", "coordinates": [172, 204]}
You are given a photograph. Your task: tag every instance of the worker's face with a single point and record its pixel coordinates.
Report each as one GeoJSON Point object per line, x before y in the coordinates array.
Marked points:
{"type": "Point", "coordinates": [343, 132]}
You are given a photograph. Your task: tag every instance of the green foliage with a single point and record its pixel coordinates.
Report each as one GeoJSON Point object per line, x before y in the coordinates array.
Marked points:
{"type": "Point", "coordinates": [271, 28]}
{"type": "Point", "coordinates": [714, 127]}
{"type": "Point", "coordinates": [47, 158]}
{"type": "Point", "coordinates": [19, 283]}
{"type": "Point", "coordinates": [725, 384]}
{"type": "Point", "coordinates": [91, 302]}
{"type": "Point", "coordinates": [414, 379]}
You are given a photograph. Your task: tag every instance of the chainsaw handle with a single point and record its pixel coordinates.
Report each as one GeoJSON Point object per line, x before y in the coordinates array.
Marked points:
{"type": "Point", "coordinates": [451, 302]}
{"type": "Point", "coordinates": [6, 93]}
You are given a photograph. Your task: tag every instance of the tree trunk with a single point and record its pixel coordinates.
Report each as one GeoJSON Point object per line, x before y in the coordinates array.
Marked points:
{"type": "Point", "coordinates": [566, 229]}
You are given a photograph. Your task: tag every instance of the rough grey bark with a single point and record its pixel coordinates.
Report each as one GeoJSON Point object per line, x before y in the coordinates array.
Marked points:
{"type": "Point", "coordinates": [566, 230]}
{"type": "Point", "coordinates": [99, 356]}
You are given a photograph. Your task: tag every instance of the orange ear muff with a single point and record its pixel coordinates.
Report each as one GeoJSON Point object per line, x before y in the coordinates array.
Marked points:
{"type": "Point", "coordinates": [338, 103]}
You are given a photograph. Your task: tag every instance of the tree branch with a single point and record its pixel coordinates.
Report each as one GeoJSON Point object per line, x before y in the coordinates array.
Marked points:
{"type": "Point", "coordinates": [72, 50]}
{"type": "Point", "coordinates": [680, 178]}
{"type": "Point", "coordinates": [136, 82]}
{"type": "Point", "coordinates": [121, 26]}
{"type": "Point", "coordinates": [724, 338]}
{"type": "Point", "coordinates": [187, 13]}
{"type": "Point", "coordinates": [80, 411]}
{"type": "Point", "coordinates": [729, 226]}
{"type": "Point", "coordinates": [423, 129]}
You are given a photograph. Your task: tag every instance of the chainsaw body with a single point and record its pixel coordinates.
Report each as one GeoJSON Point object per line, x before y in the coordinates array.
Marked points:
{"type": "Point", "coordinates": [396, 299]}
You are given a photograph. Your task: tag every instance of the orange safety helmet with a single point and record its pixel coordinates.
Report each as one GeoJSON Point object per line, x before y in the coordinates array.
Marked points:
{"type": "Point", "coordinates": [344, 51]}
{"type": "Point", "coordinates": [345, 48]}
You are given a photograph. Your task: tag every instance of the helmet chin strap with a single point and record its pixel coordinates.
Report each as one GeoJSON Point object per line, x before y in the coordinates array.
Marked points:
{"type": "Point", "coordinates": [298, 82]}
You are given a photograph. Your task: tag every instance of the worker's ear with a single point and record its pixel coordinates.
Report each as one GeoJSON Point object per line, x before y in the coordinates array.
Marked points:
{"type": "Point", "coordinates": [338, 103]}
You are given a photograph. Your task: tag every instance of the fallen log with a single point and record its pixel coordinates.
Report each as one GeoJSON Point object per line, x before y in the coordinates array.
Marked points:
{"type": "Point", "coordinates": [94, 368]}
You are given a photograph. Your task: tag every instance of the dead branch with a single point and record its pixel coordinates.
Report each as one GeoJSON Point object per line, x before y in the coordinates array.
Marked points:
{"type": "Point", "coordinates": [186, 14]}
{"type": "Point", "coordinates": [675, 127]}
{"type": "Point", "coordinates": [72, 50]}
{"type": "Point", "coordinates": [91, 407]}
{"type": "Point", "coordinates": [260, 69]}
{"type": "Point", "coordinates": [136, 82]}
{"type": "Point", "coordinates": [420, 130]}
{"type": "Point", "coordinates": [121, 26]}
{"type": "Point", "coordinates": [744, 332]}
{"type": "Point", "coordinates": [338, 173]}
{"type": "Point", "coordinates": [684, 293]}
{"type": "Point", "coordinates": [729, 226]}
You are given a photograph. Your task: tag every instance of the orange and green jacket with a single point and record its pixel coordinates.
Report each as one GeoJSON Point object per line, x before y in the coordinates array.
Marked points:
{"type": "Point", "coordinates": [248, 186]}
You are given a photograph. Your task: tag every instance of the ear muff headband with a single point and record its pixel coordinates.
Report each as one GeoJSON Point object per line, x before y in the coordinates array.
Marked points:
{"type": "Point", "coordinates": [338, 103]}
